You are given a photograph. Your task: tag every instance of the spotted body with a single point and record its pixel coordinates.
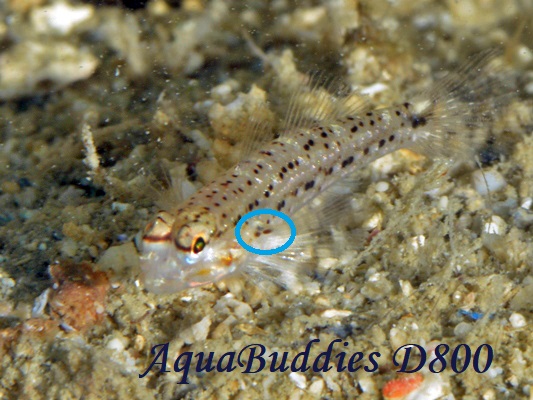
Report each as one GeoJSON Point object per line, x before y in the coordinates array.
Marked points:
{"type": "Point", "coordinates": [195, 244]}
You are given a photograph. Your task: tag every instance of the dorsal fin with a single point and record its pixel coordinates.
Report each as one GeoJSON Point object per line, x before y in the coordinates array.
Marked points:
{"type": "Point", "coordinates": [322, 100]}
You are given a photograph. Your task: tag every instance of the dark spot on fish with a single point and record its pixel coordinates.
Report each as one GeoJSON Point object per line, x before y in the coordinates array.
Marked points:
{"type": "Point", "coordinates": [347, 162]}
{"type": "Point", "coordinates": [382, 143]}
{"type": "Point", "coordinates": [417, 121]}
{"type": "Point", "coordinates": [281, 204]}
{"type": "Point", "coordinates": [309, 185]}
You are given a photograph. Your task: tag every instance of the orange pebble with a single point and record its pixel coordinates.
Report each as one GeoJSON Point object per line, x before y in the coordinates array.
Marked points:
{"type": "Point", "coordinates": [400, 387]}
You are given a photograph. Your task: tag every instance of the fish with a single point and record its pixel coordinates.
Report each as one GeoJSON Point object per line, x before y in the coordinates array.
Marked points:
{"type": "Point", "coordinates": [194, 243]}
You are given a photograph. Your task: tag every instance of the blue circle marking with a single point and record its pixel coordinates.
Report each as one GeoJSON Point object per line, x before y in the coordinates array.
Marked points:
{"type": "Point", "coordinates": [263, 211]}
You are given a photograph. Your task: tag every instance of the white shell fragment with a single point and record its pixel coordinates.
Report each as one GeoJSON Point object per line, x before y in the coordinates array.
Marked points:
{"type": "Point", "coordinates": [32, 68]}
{"type": "Point", "coordinates": [60, 18]}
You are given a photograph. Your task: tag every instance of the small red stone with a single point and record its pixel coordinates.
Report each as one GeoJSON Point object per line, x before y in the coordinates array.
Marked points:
{"type": "Point", "coordinates": [400, 387]}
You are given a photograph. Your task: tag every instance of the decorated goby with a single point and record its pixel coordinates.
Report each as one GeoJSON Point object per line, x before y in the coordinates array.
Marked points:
{"type": "Point", "coordinates": [194, 244]}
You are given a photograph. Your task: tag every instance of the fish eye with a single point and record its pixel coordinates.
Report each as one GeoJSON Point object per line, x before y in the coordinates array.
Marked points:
{"type": "Point", "coordinates": [198, 244]}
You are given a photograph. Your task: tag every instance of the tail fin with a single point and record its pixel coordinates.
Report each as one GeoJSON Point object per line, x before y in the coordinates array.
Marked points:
{"type": "Point", "coordinates": [458, 109]}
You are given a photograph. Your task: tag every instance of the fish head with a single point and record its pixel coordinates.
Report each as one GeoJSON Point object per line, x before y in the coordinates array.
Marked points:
{"type": "Point", "coordinates": [187, 249]}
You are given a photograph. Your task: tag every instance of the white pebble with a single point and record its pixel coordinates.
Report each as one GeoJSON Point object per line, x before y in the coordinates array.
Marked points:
{"type": "Point", "coordinates": [327, 262]}
{"type": "Point", "coordinates": [120, 207]}
{"type": "Point", "coordinates": [332, 313]}
{"type": "Point", "coordinates": [528, 201]}
{"type": "Point", "coordinates": [299, 379]}
{"type": "Point", "coordinates": [382, 186]}
{"type": "Point", "coordinates": [374, 89]}
{"type": "Point", "coordinates": [116, 344]}
{"type": "Point", "coordinates": [39, 304]}
{"type": "Point", "coordinates": [496, 226]}
{"type": "Point", "coordinates": [493, 372]}
{"type": "Point", "coordinates": [407, 288]}
{"type": "Point", "coordinates": [443, 203]}
{"type": "Point", "coordinates": [316, 387]}
{"type": "Point", "coordinates": [489, 395]}
{"type": "Point", "coordinates": [488, 181]}
{"type": "Point", "coordinates": [418, 241]}
{"type": "Point", "coordinates": [60, 17]}
{"type": "Point", "coordinates": [367, 385]}
{"type": "Point", "coordinates": [200, 330]}
{"type": "Point", "coordinates": [517, 320]}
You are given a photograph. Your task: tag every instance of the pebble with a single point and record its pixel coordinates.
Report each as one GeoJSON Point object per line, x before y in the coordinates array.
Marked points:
{"type": "Point", "coordinates": [299, 379]}
{"type": "Point", "coordinates": [60, 18]}
{"type": "Point", "coordinates": [496, 226]}
{"type": "Point", "coordinates": [120, 258]}
{"type": "Point", "coordinates": [382, 186]}
{"type": "Point", "coordinates": [462, 329]}
{"type": "Point", "coordinates": [317, 387]}
{"type": "Point", "coordinates": [332, 313]}
{"type": "Point", "coordinates": [197, 332]}
{"type": "Point", "coordinates": [517, 320]}
{"type": "Point", "coordinates": [39, 304]}
{"type": "Point", "coordinates": [488, 181]}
